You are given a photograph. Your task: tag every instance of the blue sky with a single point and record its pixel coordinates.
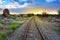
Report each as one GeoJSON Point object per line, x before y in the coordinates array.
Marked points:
{"type": "Point", "coordinates": [23, 4]}
{"type": "Point", "coordinates": [45, 3]}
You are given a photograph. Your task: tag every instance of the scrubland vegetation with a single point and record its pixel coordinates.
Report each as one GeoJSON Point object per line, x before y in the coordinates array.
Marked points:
{"type": "Point", "coordinates": [8, 25]}
{"type": "Point", "coordinates": [53, 19]}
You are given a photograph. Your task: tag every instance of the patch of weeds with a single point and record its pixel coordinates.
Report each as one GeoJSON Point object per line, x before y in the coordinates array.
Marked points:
{"type": "Point", "coordinates": [1, 26]}
{"type": "Point", "coordinates": [14, 26]}
{"type": "Point", "coordinates": [1, 21]}
{"type": "Point", "coordinates": [46, 27]}
{"type": "Point", "coordinates": [9, 32]}
{"type": "Point", "coordinates": [2, 35]}
{"type": "Point", "coordinates": [49, 20]}
{"type": "Point", "coordinates": [57, 29]}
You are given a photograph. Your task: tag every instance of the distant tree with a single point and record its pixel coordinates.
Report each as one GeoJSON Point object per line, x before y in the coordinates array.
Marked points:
{"type": "Point", "coordinates": [45, 14]}
{"type": "Point", "coordinates": [29, 15]}
{"type": "Point", "coordinates": [38, 15]}
{"type": "Point", "coordinates": [21, 15]}
{"type": "Point", "coordinates": [58, 12]}
{"type": "Point", "coordinates": [6, 13]}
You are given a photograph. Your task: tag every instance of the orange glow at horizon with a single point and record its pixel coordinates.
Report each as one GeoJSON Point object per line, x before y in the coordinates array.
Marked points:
{"type": "Point", "coordinates": [39, 11]}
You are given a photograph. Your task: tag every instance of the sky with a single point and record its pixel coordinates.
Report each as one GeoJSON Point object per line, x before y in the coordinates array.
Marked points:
{"type": "Point", "coordinates": [26, 6]}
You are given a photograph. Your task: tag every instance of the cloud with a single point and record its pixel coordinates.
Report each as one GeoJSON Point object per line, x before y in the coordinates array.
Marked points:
{"type": "Point", "coordinates": [1, 1]}
{"type": "Point", "coordinates": [16, 6]}
{"type": "Point", "coordinates": [10, 6]}
{"type": "Point", "coordinates": [13, 4]}
{"type": "Point", "coordinates": [23, 1]}
{"type": "Point", "coordinates": [50, 0]}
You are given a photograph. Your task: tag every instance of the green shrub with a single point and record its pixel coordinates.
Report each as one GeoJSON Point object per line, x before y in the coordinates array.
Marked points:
{"type": "Point", "coordinates": [9, 32]}
{"type": "Point", "coordinates": [14, 26]}
{"type": "Point", "coordinates": [2, 35]}
{"type": "Point", "coordinates": [1, 26]}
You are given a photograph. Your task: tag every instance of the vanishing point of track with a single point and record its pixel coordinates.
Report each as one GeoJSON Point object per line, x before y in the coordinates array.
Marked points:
{"type": "Point", "coordinates": [32, 31]}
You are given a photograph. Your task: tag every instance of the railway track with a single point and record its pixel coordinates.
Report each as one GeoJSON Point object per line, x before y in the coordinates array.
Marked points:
{"type": "Point", "coordinates": [32, 32]}
{"type": "Point", "coordinates": [28, 31]}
